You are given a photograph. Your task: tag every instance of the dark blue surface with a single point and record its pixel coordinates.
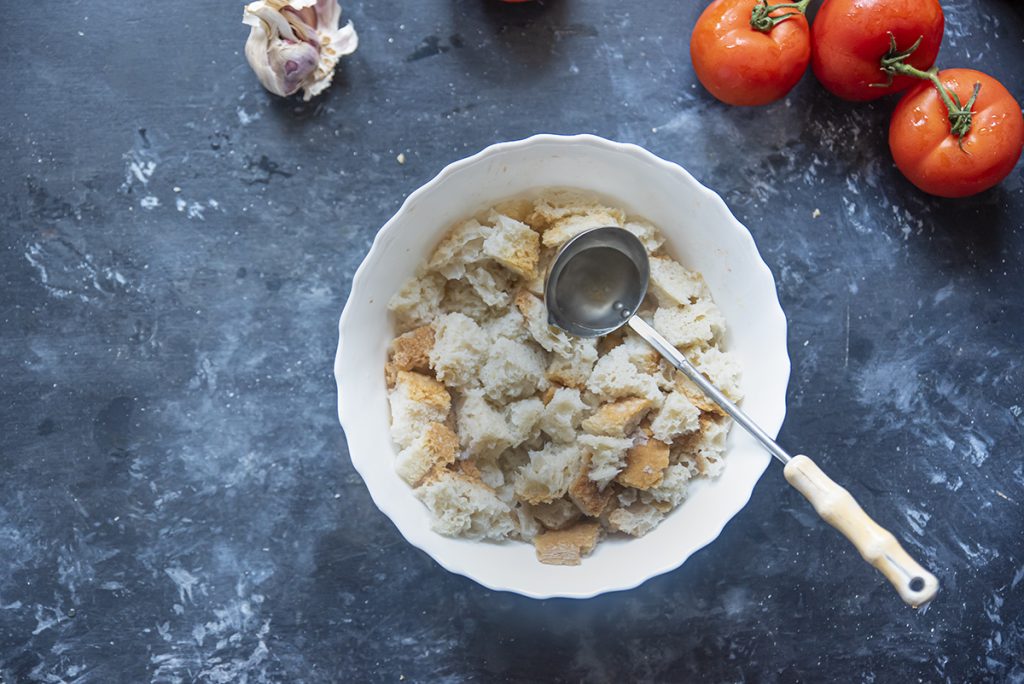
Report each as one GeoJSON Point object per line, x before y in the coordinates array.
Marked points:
{"type": "Point", "coordinates": [176, 502]}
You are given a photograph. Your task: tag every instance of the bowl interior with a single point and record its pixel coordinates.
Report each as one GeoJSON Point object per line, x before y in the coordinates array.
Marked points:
{"type": "Point", "coordinates": [701, 233]}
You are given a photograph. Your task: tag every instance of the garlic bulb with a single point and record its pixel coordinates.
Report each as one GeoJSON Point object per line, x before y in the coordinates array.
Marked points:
{"type": "Point", "coordinates": [296, 44]}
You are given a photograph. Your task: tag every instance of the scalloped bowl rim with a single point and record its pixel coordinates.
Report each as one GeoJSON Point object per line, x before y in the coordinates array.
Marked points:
{"type": "Point", "coordinates": [770, 421]}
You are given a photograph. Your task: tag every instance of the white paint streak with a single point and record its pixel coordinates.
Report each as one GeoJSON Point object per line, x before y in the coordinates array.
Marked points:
{"type": "Point", "coordinates": [918, 519]}
{"type": "Point", "coordinates": [245, 118]}
{"type": "Point", "coordinates": [184, 580]}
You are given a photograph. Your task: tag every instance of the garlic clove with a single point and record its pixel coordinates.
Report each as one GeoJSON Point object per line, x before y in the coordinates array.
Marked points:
{"type": "Point", "coordinates": [296, 44]}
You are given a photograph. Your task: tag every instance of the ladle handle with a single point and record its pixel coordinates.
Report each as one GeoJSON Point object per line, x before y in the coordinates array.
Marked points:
{"type": "Point", "coordinates": [876, 545]}
{"type": "Point", "coordinates": [835, 505]}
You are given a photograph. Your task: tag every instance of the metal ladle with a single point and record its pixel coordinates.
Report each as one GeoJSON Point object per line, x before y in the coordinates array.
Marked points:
{"type": "Point", "coordinates": [595, 286]}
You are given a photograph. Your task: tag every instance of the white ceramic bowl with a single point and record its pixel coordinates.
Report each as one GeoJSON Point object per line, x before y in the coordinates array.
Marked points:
{"type": "Point", "coordinates": [701, 233]}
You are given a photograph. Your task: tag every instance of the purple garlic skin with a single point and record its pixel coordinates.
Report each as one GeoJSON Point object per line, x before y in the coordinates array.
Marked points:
{"type": "Point", "coordinates": [296, 44]}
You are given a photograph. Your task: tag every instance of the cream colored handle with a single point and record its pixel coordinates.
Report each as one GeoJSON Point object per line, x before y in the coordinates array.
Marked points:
{"type": "Point", "coordinates": [838, 508]}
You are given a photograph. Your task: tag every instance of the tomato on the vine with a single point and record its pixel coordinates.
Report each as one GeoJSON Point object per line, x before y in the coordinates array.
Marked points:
{"type": "Point", "coordinates": [935, 158]}
{"type": "Point", "coordinates": [850, 37]}
{"type": "Point", "coordinates": [743, 65]}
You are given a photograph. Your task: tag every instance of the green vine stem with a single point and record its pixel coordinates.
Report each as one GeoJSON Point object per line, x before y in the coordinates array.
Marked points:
{"type": "Point", "coordinates": [960, 115]}
{"type": "Point", "coordinates": [761, 19]}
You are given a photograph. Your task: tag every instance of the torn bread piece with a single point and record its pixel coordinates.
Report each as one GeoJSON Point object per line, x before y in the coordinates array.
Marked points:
{"type": "Point", "coordinates": [722, 369]}
{"type": "Point", "coordinates": [574, 369]}
{"type": "Point", "coordinates": [462, 245]}
{"type": "Point", "coordinates": [549, 473]}
{"type": "Point", "coordinates": [460, 348]}
{"type": "Point", "coordinates": [672, 489]}
{"type": "Point", "coordinates": [568, 546]}
{"type": "Point", "coordinates": [587, 495]}
{"type": "Point", "coordinates": [564, 229]}
{"type": "Point", "coordinates": [562, 414]}
{"type": "Point", "coordinates": [645, 465]}
{"type": "Point", "coordinates": [410, 351]}
{"type": "Point", "coordinates": [673, 285]}
{"type": "Point", "coordinates": [513, 370]}
{"type": "Point", "coordinates": [550, 338]}
{"type": "Point", "coordinates": [523, 419]}
{"type": "Point", "coordinates": [514, 245]}
{"type": "Point", "coordinates": [617, 418]}
{"type": "Point", "coordinates": [696, 395]}
{"type": "Point", "coordinates": [614, 376]}
{"type": "Point", "coordinates": [491, 284]}
{"type": "Point", "coordinates": [636, 519]}
{"type": "Point", "coordinates": [418, 302]}
{"type": "Point", "coordinates": [607, 456]}
{"type": "Point", "coordinates": [464, 507]}
{"type": "Point", "coordinates": [416, 401]}
{"type": "Point", "coordinates": [645, 231]}
{"type": "Point", "coordinates": [676, 417]}
{"type": "Point", "coordinates": [557, 514]}
{"type": "Point", "coordinates": [518, 208]}
{"type": "Point", "coordinates": [436, 446]}
{"type": "Point", "coordinates": [694, 324]}
{"type": "Point", "coordinates": [556, 204]}
{"type": "Point", "coordinates": [482, 428]}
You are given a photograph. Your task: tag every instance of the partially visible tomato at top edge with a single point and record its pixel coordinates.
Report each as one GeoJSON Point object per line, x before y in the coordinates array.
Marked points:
{"type": "Point", "coordinates": [741, 65]}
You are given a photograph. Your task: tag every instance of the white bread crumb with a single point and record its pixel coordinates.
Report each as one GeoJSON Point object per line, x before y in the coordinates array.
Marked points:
{"type": "Point", "coordinates": [436, 445]}
{"type": "Point", "coordinates": [673, 285]}
{"type": "Point", "coordinates": [491, 284]}
{"type": "Point", "coordinates": [462, 507]}
{"type": "Point", "coordinates": [645, 231]}
{"type": "Point", "coordinates": [557, 514]}
{"type": "Point", "coordinates": [684, 326]}
{"type": "Point", "coordinates": [562, 415]}
{"type": "Point", "coordinates": [574, 369]}
{"type": "Point", "coordinates": [722, 369]}
{"type": "Point", "coordinates": [549, 473]}
{"type": "Point", "coordinates": [672, 489]}
{"type": "Point", "coordinates": [512, 371]}
{"type": "Point", "coordinates": [461, 246]}
{"type": "Point", "coordinates": [607, 456]}
{"type": "Point", "coordinates": [636, 520]}
{"type": "Point", "coordinates": [523, 419]}
{"type": "Point", "coordinates": [550, 338]}
{"type": "Point", "coordinates": [460, 347]}
{"type": "Point", "coordinates": [527, 526]}
{"type": "Point", "coordinates": [564, 229]}
{"type": "Point", "coordinates": [514, 245]}
{"type": "Point", "coordinates": [675, 418]}
{"type": "Point", "coordinates": [416, 401]}
{"type": "Point", "coordinates": [614, 376]}
{"type": "Point", "coordinates": [481, 427]}
{"type": "Point", "coordinates": [418, 302]}
{"type": "Point", "coordinates": [509, 325]}
{"type": "Point", "coordinates": [461, 297]}
{"type": "Point", "coordinates": [552, 205]}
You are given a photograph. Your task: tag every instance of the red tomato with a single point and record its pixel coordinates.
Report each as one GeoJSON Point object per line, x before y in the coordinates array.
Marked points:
{"type": "Point", "coordinates": [850, 37]}
{"type": "Point", "coordinates": [930, 156]}
{"type": "Point", "coordinates": [743, 66]}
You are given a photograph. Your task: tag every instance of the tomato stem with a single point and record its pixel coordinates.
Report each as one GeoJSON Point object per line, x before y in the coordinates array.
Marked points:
{"type": "Point", "coordinates": [761, 19]}
{"type": "Point", "coordinates": [960, 115]}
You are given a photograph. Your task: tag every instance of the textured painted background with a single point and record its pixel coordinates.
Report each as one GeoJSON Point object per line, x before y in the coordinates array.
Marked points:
{"type": "Point", "coordinates": [176, 503]}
